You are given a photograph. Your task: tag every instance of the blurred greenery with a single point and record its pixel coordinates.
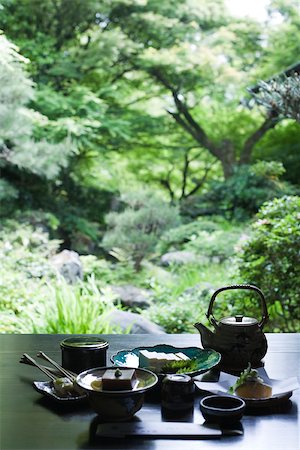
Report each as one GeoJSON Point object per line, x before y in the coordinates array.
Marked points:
{"type": "Point", "coordinates": [127, 130]}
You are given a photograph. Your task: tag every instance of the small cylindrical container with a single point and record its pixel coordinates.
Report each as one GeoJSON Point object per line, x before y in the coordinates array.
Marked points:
{"type": "Point", "coordinates": [177, 393]}
{"type": "Point", "coordinates": [80, 353]}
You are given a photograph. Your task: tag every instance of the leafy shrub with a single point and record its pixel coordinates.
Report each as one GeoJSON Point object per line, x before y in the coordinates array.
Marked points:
{"type": "Point", "coordinates": [8, 193]}
{"type": "Point", "coordinates": [136, 230]}
{"type": "Point", "coordinates": [181, 300]}
{"type": "Point", "coordinates": [270, 260]}
{"type": "Point", "coordinates": [205, 237]}
{"type": "Point", "coordinates": [32, 299]}
{"type": "Point", "coordinates": [26, 249]}
{"type": "Point", "coordinates": [175, 238]}
{"type": "Point", "coordinates": [220, 244]}
{"type": "Point", "coordinates": [175, 313]}
{"type": "Point", "coordinates": [240, 196]}
{"type": "Point", "coordinates": [110, 272]}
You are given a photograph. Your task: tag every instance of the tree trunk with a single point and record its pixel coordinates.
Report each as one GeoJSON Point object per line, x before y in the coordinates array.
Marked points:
{"type": "Point", "coordinates": [224, 152]}
{"type": "Point", "coordinates": [226, 156]}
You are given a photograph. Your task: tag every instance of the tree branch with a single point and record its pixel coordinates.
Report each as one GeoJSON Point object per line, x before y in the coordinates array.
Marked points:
{"type": "Point", "coordinates": [267, 125]}
{"type": "Point", "coordinates": [184, 118]}
{"type": "Point", "coordinates": [199, 183]}
{"type": "Point", "coordinates": [167, 184]}
{"type": "Point", "coordinates": [185, 173]}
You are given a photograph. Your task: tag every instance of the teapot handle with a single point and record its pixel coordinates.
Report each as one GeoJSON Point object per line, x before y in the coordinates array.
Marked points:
{"type": "Point", "coordinates": [265, 315]}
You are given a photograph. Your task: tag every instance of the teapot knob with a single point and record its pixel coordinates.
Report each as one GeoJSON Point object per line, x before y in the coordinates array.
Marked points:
{"type": "Point", "coordinates": [239, 318]}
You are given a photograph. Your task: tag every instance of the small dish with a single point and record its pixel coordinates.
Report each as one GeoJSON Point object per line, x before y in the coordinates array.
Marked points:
{"type": "Point", "coordinates": [222, 409]}
{"type": "Point", "coordinates": [206, 358]}
{"type": "Point", "coordinates": [282, 389]}
{"type": "Point", "coordinates": [272, 401]}
{"type": "Point", "coordinates": [116, 405]}
{"type": "Point", "coordinates": [46, 388]}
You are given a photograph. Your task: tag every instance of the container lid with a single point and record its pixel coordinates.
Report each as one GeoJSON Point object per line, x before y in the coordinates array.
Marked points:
{"type": "Point", "coordinates": [177, 378]}
{"type": "Point", "coordinates": [89, 342]}
{"type": "Point", "coordinates": [239, 320]}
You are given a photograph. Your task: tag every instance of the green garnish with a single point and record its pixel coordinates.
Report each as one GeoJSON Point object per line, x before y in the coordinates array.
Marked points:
{"type": "Point", "coordinates": [118, 373]}
{"type": "Point", "coordinates": [180, 366]}
{"type": "Point", "coordinates": [247, 375]}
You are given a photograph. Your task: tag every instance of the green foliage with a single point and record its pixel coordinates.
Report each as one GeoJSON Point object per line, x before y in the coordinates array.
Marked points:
{"type": "Point", "coordinates": [281, 145]}
{"type": "Point", "coordinates": [175, 315]}
{"type": "Point", "coordinates": [24, 253]}
{"type": "Point", "coordinates": [175, 238]}
{"type": "Point", "coordinates": [270, 260]}
{"type": "Point", "coordinates": [181, 296]}
{"type": "Point", "coordinates": [32, 299]}
{"type": "Point", "coordinates": [17, 143]}
{"type": "Point", "coordinates": [219, 245]}
{"type": "Point", "coordinates": [101, 97]}
{"type": "Point", "coordinates": [80, 309]}
{"type": "Point", "coordinates": [8, 193]}
{"type": "Point", "coordinates": [136, 230]}
{"type": "Point", "coordinates": [208, 238]}
{"type": "Point", "coordinates": [240, 196]}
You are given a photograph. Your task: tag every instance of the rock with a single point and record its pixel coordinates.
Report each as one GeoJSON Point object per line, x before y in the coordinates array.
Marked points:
{"type": "Point", "coordinates": [179, 257]}
{"type": "Point", "coordinates": [132, 296]}
{"type": "Point", "coordinates": [68, 264]}
{"type": "Point", "coordinates": [135, 323]}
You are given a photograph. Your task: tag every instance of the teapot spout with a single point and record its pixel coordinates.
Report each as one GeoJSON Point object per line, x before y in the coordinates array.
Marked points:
{"type": "Point", "coordinates": [207, 336]}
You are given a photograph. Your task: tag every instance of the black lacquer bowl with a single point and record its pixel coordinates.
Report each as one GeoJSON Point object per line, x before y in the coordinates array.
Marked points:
{"type": "Point", "coordinates": [222, 409]}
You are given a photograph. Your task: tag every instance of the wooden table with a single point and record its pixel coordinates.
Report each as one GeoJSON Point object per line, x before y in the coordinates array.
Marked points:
{"type": "Point", "coordinates": [30, 421]}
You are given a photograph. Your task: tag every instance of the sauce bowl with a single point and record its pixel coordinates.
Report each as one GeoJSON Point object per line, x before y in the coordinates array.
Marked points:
{"type": "Point", "coordinates": [222, 409]}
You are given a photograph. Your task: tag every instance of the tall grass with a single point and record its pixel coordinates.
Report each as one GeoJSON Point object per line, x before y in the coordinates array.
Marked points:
{"type": "Point", "coordinates": [80, 309]}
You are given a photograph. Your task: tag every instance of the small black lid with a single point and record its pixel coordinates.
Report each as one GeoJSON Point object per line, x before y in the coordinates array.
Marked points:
{"type": "Point", "coordinates": [89, 342]}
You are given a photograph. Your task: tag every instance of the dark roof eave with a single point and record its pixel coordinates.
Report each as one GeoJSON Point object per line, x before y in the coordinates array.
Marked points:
{"type": "Point", "coordinates": [289, 71]}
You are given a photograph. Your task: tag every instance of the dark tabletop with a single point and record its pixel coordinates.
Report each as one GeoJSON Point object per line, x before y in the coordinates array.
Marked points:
{"type": "Point", "coordinates": [30, 421]}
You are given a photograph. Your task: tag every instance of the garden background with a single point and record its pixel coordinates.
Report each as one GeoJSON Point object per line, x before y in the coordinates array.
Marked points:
{"type": "Point", "coordinates": [149, 154]}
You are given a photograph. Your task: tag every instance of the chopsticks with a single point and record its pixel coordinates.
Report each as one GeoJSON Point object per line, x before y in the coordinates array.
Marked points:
{"type": "Point", "coordinates": [26, 359]}
{"type": "Point", "coordinates": [66, 372]}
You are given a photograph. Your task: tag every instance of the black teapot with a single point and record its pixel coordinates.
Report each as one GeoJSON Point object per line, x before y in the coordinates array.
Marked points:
{"type": "Point", "coordinates": [239, 339]}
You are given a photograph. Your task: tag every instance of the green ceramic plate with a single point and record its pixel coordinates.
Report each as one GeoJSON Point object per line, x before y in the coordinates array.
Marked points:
{"type": "Point", "coordinates": [205, 358]}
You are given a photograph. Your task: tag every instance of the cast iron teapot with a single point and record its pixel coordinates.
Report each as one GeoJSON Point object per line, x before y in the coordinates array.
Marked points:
{"type": "Point", "coordinates": [239, 339]}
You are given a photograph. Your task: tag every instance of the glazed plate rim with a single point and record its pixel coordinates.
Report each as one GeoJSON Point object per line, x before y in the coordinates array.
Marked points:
{"type": "Point", "coordinates": [168, 349]}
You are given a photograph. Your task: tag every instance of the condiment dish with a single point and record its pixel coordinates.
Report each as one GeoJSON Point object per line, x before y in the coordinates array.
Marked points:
{"type": "Point", "coordinates": [222, 409]}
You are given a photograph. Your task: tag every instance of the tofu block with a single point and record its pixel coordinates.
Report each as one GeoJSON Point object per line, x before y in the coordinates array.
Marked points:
{"type": "Point", "coordinates": [156, 361]}
{"type": "Point", "coordinates": [118, 379]}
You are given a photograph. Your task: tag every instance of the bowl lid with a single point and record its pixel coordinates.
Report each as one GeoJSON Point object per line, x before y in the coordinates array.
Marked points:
{"type": "Point", "coordinates": [88, 342]}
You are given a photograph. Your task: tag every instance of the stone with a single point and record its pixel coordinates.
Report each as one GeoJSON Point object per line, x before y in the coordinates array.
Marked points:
{"type": "Point", "coordinates": [178, 257]}
{"type": "Point", "coordinates": [135, 323]}
{"type": "Point", "coordinates": [132, 296]}
{"type": "Point", "coordinates": [68, 264]}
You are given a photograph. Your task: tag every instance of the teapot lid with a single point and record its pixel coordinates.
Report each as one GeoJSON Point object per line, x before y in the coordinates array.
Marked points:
{"type": "Point", "coordinates": [239, 320]}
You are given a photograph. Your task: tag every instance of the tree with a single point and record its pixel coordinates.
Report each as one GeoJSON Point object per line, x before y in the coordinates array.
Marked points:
{"type": "Point", "coordinates": [170, 45]}
{"type": "Point", "coordinates": [18, 144]}
{"type": "Point", "coordinates": [132, 76]}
